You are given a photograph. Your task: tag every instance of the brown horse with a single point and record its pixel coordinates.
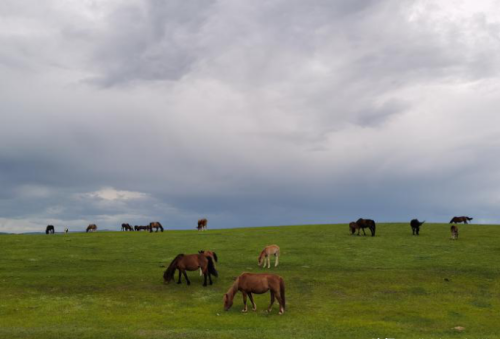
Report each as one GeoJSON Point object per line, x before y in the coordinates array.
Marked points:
{"type": "Point", "coordinates": [353, 227]}
{"type": "Point", "coordinates": [202, 224]}
{"type": "Point", "coordinates": [156, 225]}
{"type": "Point", "coordinates": [91, 228]}
{"type": "Point", "coordinates": [127, 227]}
{"type": "Point", "coordinates": [266, 253]}
{"type": "Point", "coordinates": [454, 232]}
{"type": "Point", "coordinates": [141, 228]}
{"type": "Point", "coordinates": [365, 223]}
{"type": "Point", "coordinates": [249, 283]}
{"type": "Point", "coordinates": [50, 229]}
{"type": "Point", "coordinates": [457, 220]}
{"type": "Point", "coordinates": [191, 262]}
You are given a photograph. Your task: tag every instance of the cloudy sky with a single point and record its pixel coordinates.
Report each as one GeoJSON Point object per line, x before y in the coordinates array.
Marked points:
{"type": "Point", "coordinates": [249, 113]}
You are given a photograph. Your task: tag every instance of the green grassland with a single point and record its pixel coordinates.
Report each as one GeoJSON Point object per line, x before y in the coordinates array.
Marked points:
{"type": "Point", "coordinates": [393, 285]}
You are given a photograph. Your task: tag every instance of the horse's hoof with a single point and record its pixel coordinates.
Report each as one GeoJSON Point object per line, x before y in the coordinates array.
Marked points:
{"type": "Point", "coordinates": [244, 311]}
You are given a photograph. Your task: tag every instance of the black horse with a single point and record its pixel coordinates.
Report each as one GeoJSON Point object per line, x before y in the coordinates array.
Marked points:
{"type": "Point", "coordinates": [127, 227]}
{"type": "Point", "coordinates": [366, 223]}
{"type": "Point", "coordinates": [415, 226]}
{"type": "Point", "coordinates": [50, 229]}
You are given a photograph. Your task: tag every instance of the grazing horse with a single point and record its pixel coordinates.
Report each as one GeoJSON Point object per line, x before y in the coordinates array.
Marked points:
{"type": "Point", "coordinates": [141, 228]}
{"type": "Point", "coordinates": [50, 229]}
{"type": "Point", "coordinates": [127, 227]}
{"type": "Point", "coordinates": [202, 224]}
{"type": "Point", "coordinates": [91, 228]}
{"type": "Point", "coordinates": [156, 225]}
{"type": "Point", "coordinates": [454, 232]}
{"type": "Point", "coordinates": [66, 230]}
{"type": "Point", "coordinates": [457, 220]}
{"type": "Point", "coordinates": [266, 255]}
{"type": "Point", "coordinates": [415, 226]}
{"type": "Point", "coordinates": [353, 227]}
{"type": "Point", "coordinates": [366, 223]}
{"type": "Point", "coordinates": [191, 262]}
{"type": "Point", "coordinates": [249, 283]}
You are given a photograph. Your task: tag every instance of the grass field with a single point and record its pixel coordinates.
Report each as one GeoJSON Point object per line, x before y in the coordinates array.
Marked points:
{"type": "Point", "coordinates": [394, 285]}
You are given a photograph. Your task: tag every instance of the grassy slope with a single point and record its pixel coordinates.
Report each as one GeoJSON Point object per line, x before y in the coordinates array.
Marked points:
{"type": "Point", "coordinates": [109, 285]}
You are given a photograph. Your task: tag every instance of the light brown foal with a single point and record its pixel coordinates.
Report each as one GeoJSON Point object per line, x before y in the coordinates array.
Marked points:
{"type": "Point", "coordinates": [266, 253]}
{"type": "Point", "coordinates": [249, 283]}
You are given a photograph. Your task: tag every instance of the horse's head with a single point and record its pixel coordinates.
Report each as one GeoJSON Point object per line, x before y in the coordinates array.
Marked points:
{"type": "Point", "coordinates": [228, 302]}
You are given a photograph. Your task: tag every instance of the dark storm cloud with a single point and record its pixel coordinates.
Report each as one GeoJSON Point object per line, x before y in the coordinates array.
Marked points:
{"type": "Point", "coordinates": [280, 112]}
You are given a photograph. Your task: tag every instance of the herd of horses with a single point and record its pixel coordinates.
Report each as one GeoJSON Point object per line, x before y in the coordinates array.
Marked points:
{"type": "Point", "coordinates": [246, 283]}
{"type": "Point", "coordinates": [249, 283]}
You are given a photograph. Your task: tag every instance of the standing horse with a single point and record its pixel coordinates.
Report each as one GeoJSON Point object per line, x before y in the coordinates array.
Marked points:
{"type": "Point", "coordinates": [156, 225]}
{"type": "Point", "coordinates": [127, 227]}
{"type": "Point", "coordinates": [50, 229]}
{"type": "Point", "coordinates": [142, 228]}
{"type": "Point", "coordinates": [202, 224]}
{"type": "Point", "coordinates": [266, 255]}
{"type": "Point", "coordinates": [415, 226]}
{"type": "Point", "coordinates": [249, 283]}
{"type": "Point", "coordinates": [366, 223]}
{"type": "Point", "coordinates": [66, 230]}
{"type": "Point", "coordinates": [191, 262]}
{"type": "Point", "coordinates": [457, 220]}
{"type": "Point", "coordinates": [454, 232]}
{"type": "Point", "coordinates": [91, 228]}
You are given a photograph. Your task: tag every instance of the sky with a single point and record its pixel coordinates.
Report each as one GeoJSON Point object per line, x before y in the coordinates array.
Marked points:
{"type": "Point", "coordinates": [248, 113]}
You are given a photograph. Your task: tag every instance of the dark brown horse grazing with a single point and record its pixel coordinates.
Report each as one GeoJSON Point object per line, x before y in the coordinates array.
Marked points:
{"type": "Point", "coordinates": [191, 262]}
{"type": "Point", "coordinates": [353, 227]}
{"type": "Point", "coordinates": [366, 223]}
{"type": "Point", "coordinates": [127, 227]}
{"type": "Point", "coordinates": [91, 228]}
{"type": "Point", "coordinates": [454, 232]}
{"type": "Point", "coordinates": [457, 220]}
{"type": "Point", "coordinates": [249, 283]}
{"type": "Point", "coordinates": [141, 228]}
{"type": "Point", "coordinates": [50, 229]}
{"type": "Point", "coordinates": [202, 224]}
{"type": "Point", "coordinates": [415, 226]}
{"type": "Point", "coordinates": [156, 225]}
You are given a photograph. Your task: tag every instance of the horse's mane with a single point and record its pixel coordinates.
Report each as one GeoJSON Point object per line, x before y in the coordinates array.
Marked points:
{"type": "Point", "coordinates": [169, 273]}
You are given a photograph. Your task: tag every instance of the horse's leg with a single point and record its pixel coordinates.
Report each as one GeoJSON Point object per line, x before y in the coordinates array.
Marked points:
{"type": "Point", "coordinates": [179, 281]}
{"type": "Point", "coordinates": [205, 279]}
{"type": "Point", "coordinates": [187, 279]}
{"type": "Point", "coordinates": [245, 309]}
{"type": "Point", "coordinates": [254, 306]}
{"type": "Point", "coordinates": [280, 301]}
{"type": "Point", "coordinates": [210, 278]}
{"type": "Point", "coordinates": [268, 261]}
{"type": "Point", "coordinates": [276, 256]}
{"type": "Point", "coordinates": [272, 301]}
{"type": "Point", "coordinates": [364, 233]}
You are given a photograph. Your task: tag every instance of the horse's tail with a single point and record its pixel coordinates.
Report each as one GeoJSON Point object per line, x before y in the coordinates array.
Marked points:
{"type": "Point", "coordinates": [282, 291]}
{"type": "Point", "coordinates": [169, 273]}
{"type": "Point", "coordinates": [215, 257]}
{"type": "Point", "coordinates": [211, 267]}
{"type": "Point", "coordinates": [422, 223]}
